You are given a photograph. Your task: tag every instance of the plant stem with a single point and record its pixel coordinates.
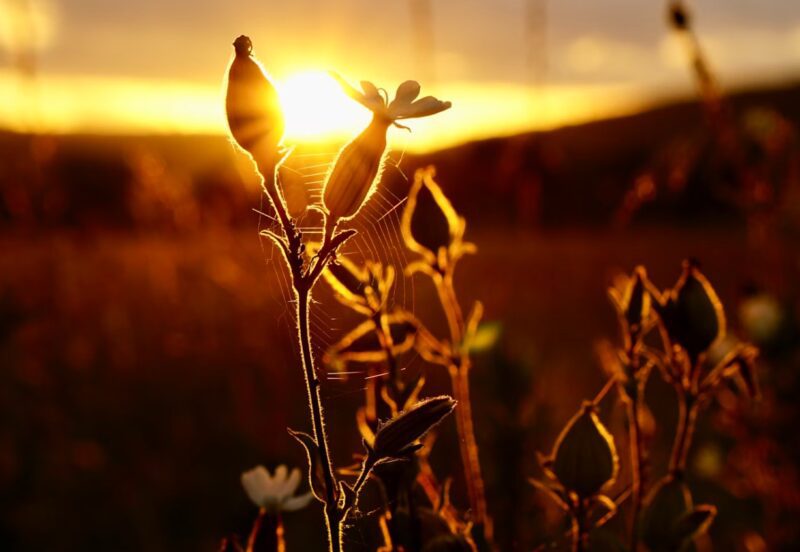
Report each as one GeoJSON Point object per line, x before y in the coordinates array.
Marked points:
{"type": "Point", "coordinates": [637, 463]}
{"type": "Point", "coordinates": [332, 515]}
{"type": "Point", "coordinates": [302, 283]}
{"type": "Point", "coordinates": [469, 447]}
{"type": "Point", "coordinates": [279, 534]}
{"type": "Point", "coordinates": [687, 418]}
{"type": "Point", "coordinates": [393, 384]}
{"type": "Point", "coordinates": [459, 376]}
{"type": "Point", "coordinates": [580, 532]}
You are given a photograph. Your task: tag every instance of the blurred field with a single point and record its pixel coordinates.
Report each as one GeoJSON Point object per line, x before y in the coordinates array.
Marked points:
{"type": "Point", "coordinates": [142, 374]}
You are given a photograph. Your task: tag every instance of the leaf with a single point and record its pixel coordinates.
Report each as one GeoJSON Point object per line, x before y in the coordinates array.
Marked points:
{"type": "Point", "coordinates": [316, 477]}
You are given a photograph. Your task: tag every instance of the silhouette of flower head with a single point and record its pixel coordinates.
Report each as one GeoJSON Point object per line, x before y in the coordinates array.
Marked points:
{"type": "Point", "coordinates": [404, 106]}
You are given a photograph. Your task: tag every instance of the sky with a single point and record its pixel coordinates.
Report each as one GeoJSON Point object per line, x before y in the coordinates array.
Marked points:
{"type": "Point", "coordinates": [507, 65]}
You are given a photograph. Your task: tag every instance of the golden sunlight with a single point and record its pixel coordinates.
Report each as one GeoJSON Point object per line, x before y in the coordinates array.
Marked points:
{"type": "Point", "coordinates": [316, 108]}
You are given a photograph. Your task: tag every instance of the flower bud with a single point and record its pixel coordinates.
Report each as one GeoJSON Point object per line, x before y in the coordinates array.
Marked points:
{"type": "Point", "coordinates": [252, 105]}
{"type": "Point", "coordinates": [356, 172]}
{"type": "Point", "coordinates": [585, 458]}
{"type": "Point", "coordinates": [692, 313]}
{"type": "Point", "coordinates": [395, 438]}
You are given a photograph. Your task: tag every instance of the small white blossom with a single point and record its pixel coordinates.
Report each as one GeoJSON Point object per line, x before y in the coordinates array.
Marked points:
{"type": "Point", "coordinates": [274, 493]}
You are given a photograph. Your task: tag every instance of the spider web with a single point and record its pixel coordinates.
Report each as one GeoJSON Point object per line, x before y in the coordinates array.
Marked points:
{"type": "Point", "coordinates": [378, 239]}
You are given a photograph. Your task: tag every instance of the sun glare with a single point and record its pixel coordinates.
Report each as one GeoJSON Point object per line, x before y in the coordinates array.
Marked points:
{"type": "Point", "coordinates": [317, 109]}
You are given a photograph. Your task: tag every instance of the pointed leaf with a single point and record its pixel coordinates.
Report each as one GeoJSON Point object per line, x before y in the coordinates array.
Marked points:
{"type": "Point", "coordinates": [316, 478]}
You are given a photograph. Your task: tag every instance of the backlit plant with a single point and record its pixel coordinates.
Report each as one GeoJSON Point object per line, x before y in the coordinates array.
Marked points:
{"type": "Point", "coordinates": [676, 332]}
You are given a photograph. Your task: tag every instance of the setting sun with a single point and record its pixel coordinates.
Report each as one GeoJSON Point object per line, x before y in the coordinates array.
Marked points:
{"type": "Point", "coordinates": [316, 108]}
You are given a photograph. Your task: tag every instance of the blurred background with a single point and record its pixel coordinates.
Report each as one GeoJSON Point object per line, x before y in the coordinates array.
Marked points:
{"type": "Point", "coordinates": [146, 350]}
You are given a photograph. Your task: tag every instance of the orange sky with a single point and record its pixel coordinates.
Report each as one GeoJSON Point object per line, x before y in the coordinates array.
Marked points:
{"type": "Point", "coordinates": [507, 65]}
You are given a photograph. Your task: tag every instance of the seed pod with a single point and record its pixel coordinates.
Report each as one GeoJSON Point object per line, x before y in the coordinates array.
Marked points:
{"type": "Point", "coordinates": [692, 313]}
{"type": "Point", "coordinates": [252, 105]}
{"type": "Point", "coordinates": [585, 458]}
{"type": "Point", "coordinates": [356, 172]}
{"type": "Point", "coordinates": [429, 223]}
{"type": "Point", "coordinates": [397, 437]}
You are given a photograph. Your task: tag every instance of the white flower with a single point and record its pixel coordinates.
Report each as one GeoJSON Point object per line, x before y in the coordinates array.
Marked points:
{"type": "Point", "coordinates": [403, 106]}
{"type": "Point", "coordinates": [274, 493]}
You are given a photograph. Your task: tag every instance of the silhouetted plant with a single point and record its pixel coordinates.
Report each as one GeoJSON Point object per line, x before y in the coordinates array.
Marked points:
{"type": "Point", "coordinates": [256, 124]}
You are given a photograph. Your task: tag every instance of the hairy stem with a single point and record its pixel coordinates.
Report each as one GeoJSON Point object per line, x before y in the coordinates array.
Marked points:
{"type": "Point", "coordinates": [303, 284]}
{"type": "Point", "coordinates": [332, 515]}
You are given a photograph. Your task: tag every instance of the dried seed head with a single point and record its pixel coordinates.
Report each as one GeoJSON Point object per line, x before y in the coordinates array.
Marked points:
{"type": "Point", "coordinates": [252, 106]}
{"type": "Point", "coordinates": [430, 225]}
{"type": "Point", "coordinates": [398, 436]}
{"type": "Point", "coordinates": [585, 458]}
{"type": "Point", "coordinates": [692, 313]}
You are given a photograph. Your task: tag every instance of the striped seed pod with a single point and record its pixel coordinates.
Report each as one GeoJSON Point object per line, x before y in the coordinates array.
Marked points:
{"type": "Point", "coordinates": [356, 172]}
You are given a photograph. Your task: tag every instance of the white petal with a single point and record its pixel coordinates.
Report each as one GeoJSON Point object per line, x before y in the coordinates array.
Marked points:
{"type": "Point", "coordinates": [280, 478]}
{"type": "Point", "coordinates": [421, 108]}
{"type": "Point", "coordinates": [258, 485]}
{"type": "Point", "coordinates": [296, 502]}
{"type": "Point", "coordinates": [290, 486]}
